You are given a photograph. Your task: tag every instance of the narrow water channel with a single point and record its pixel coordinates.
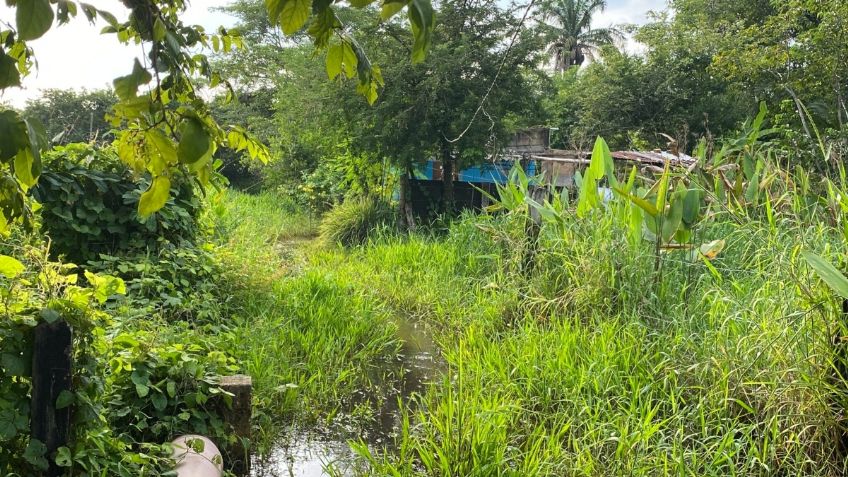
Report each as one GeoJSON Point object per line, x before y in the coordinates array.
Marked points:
{"type": "Point", "coordinates": [318, 453]}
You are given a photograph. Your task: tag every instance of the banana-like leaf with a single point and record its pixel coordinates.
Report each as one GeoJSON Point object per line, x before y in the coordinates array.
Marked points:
{"type": "Point", "coordinates": [828, 273]}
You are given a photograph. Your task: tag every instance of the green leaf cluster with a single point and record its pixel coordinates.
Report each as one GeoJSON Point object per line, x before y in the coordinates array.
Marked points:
{"type": "Point", "coordinates": [90, 199]}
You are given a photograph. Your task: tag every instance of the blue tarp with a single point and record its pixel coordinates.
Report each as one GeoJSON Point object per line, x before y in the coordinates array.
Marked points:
{"type": "Point", "coordinates": [489, 173]}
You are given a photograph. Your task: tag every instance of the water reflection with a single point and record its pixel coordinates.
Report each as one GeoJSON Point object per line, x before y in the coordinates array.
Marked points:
{"type": "Point", "coordinates": [325, 452]}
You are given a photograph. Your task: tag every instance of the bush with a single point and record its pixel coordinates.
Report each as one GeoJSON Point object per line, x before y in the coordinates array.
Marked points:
{"type": "Point", "coordinates": [156, 391]}
{"type": "Point", "coordinates": [175, 282]}
{"type": "Point", "coordinates": [353, 222]}
{"type": "Point", "coordinates": [89, 200]}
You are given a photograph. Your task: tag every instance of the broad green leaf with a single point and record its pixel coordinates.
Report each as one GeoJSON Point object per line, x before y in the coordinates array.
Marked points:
{"type": "Point", "coordinates": [588, 198]}
{"type": "Point", "coordinates": [602, 162]}
{"type": "Point", "coordinates": [65, 9]}
{"type": "Point", "coordinates": [37, 142]}
{"type": "Point", "coordinates": [49, 315]}
{"type": "Point", "coordinates": [142, 390]}
{"type": "Point", "coordinates": [643, 204]}
{"type": "Point", "coordinates": [33, 18]}
{"type": "Point", "coordinates": [9, 75]}
{"type": "Point", "coordinates": [391, 8]}
{"type": "Point", "coordinates": [11, 423]}
{"type": "Point", "coordinates": [335, 54]}
{"type": "Point", "coordinates": [105, 286]}
{"type": "Point", "coordinates": [275, 8]}
{"type": "Point", "coordinates": [692, 206]}
{"type": "Point", "coordinates": [108, 18]}
{"type": "Point", "coordinates": [349, 59]}
{"type": "Point", "coordinates": [319, 6]}
{"type": "Point", "coordinates": [596, 163]}
{"type": "Point", "coordinates": [636, 221]}
{"type": "Point", "coordinates": [155, 197]}
{"type": "Point", "coordinates": [369, 89]}
{"type": "Point", "coordinates": [195, 141]}
{"type": "Point", "coordinates": [65, 399]}
{"type": "Point", "coordinates": [13, 135]}
{"type": "Point", "coordinates": [35, 452]}
{"type": "Point", "coordinates": [159, 30]}
{"type": "Point", "coordinates": [162, 152]}
{"type": "Point", "coordinates": [323, 24]}
{"type": "Point", "coordinates": [160, 402]}
{"type": "Point", "coordinates": [422, 19]}
{"type": "Point", "coordinates": [671, 221]}
{"type": "Point", "coordinates": [752, 192]}
{"type": "Point", "coordinates": [89, 11]}
{"type": "Point", "coordinates": [828, 273]}
{"type": "Point", "coordinates": [294, 15]}
{"type": "Point", "coordinates": [663, 187]}
{"type": "Point", "coordinates": [197, 445]}
{"type": "Point", "coordinates": [126, 87]}
{"type": "Point", "coordinates": [360, 3]}
{"type": "Point", "coordinates": [13, 364]}
{"type": "Point", "coordinates": [23, 168]}
{"type": "Point", "coordinates": [10, 267]}
{"type": "Point", "coordinates": [631, 180]}
{"type": "Point", "coordinates": [682, 235]}
{"type": "Point", "coordinates": [64, 457]}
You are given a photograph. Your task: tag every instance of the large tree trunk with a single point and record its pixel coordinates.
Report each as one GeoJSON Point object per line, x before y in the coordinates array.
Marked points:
{"type": "Point", "coordinates": [448, 201]}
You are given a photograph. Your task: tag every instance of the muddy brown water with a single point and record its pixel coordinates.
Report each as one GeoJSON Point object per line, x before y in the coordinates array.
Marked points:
{"type": "Point", "coordinates": [325, 452]}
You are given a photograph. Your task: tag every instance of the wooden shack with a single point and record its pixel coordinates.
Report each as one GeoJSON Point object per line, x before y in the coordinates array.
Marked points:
{"type": "Point", "coordinates": [530, 149]}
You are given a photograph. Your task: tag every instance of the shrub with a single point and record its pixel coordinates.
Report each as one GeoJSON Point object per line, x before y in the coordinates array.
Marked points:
{"type": "Point", "coordinates": [89, 200]}
{"type": "Point", "coordinates": [156, 391]}
{"type": "Point", "coordinates": [175, 282]}
{"type": "Point", "coordinates": [353, 222]}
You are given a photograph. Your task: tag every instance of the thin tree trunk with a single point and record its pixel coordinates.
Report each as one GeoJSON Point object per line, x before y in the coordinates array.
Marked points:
{"type": "Point", "coordinates": [405, 215]}
{"type": "Point", "coordinates": [448, 197]}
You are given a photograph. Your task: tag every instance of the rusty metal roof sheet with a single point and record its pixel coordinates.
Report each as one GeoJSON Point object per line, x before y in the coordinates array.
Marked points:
{"type": "Point", "coordinates": [648, 158]}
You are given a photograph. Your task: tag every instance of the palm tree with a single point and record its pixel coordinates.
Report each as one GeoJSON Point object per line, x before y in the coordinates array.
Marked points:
{"type": "Point", "coordinates": [571, 36]}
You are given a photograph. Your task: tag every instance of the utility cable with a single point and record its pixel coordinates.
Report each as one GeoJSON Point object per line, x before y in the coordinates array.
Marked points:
{"type": "Point", "coordinates": [497, 74]}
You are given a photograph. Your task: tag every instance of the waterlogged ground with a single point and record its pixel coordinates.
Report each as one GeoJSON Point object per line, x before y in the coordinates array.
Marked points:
{"type": "Point", "coordinates": [591, 362]}
{"type": "Point", "coordinates": [325, 451]}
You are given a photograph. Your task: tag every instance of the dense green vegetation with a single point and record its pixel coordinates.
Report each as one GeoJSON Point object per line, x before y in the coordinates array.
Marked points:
{"type": "Point", "coordinates": [684, 320]}
{"type": "Point", "coordinates": [591, 361]}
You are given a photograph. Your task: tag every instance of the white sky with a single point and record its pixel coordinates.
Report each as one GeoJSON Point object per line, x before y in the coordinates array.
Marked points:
{"type": "Point", "coordinates": [76, 56]}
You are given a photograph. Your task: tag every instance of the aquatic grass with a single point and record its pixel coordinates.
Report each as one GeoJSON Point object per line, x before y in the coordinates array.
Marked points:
{"type": "Point", "coordinates": [309, 339]}
{"type": "Point", "coordinates": [580, 363]}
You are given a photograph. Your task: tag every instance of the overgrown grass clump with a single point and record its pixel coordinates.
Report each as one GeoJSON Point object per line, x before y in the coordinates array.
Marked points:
{"type": "Point", "coordinates": [355, 220]}
{"type": "Point", "coordinates": [305, 334]}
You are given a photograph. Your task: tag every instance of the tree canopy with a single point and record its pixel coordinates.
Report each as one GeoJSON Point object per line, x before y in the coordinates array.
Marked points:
{"type": "Point", "coordinates": [165, 128]}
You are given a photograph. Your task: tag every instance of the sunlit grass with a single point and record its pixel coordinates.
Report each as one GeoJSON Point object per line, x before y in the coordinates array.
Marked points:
{"type": "Point", "coordinates": [582, 365]}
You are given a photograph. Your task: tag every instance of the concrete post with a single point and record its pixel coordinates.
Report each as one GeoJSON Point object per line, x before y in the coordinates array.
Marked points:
{"type": "Point", "coordinates": [238, 417]}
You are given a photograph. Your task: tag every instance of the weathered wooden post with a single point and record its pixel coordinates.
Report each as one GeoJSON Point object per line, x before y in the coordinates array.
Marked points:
{"type": "Point", "coordinates": [52, 367]}
{"type": "Point", "coordinates": [238, 417]}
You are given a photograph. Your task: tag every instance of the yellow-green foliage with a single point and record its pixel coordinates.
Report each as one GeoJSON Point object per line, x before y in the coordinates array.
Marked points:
{"type": "Point", "coordinates": [352, 222]}
{"type": "Point", "coordinates": [590, 361]}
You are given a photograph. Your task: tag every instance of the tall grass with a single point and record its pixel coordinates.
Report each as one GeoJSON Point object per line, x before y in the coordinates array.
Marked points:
{"type": "Point", "coordinates": [308, 339]}
{"type": "Point", "coordinates": [582, 363]}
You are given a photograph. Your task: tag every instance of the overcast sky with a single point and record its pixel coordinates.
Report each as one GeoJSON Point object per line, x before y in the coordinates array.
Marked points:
{"type": "Point", "coordinates": [77, 56]}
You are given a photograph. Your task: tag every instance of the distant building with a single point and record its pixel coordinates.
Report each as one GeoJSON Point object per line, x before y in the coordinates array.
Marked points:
{"type": "Point", "coordinates": [531, 149]}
